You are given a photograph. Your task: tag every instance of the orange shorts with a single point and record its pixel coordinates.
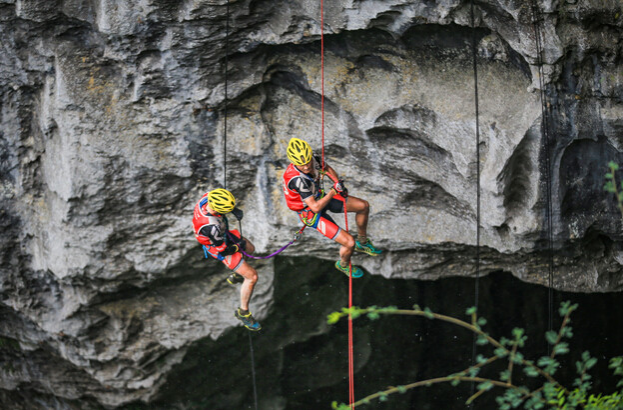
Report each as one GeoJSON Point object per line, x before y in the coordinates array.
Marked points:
{"type": "Point", "coordinates": [234, 261]}
{"type": "Point", "coordinates": [322, 222]}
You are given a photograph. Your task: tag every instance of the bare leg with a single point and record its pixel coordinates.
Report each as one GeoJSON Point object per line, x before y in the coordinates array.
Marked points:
{"type": "Point", "coordinates": [250, 248]}
{"type": "Point", "coordinates": [362, 210]}
{"type": "Point", "coordinates": [348, 244]}
{"type": "Point", "coordinates": [250, 279]}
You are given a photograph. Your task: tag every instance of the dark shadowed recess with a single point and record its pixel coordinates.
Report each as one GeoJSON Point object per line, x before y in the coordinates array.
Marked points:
{"type": "Point", "coordinates": [301, 362]}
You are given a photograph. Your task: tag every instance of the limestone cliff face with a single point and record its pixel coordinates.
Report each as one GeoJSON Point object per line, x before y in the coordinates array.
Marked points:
{"type": "Point", "coordinates": [112, 125]}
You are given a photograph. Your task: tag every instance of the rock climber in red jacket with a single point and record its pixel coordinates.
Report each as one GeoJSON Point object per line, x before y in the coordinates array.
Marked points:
{"type": "Point", "coordinates": [303, 193]}
{"type": "Point", "coordinates": [212, 231]}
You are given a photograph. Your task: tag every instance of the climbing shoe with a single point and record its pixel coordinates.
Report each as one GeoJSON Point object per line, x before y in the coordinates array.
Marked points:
{"type": "Point", "coordinates": [367, 248]}
{"type": "Point", "coordinates": [357, 272]}
{"type": "Point", "coordinates": [234, 279]}
{"type": "Point", "coordinates": [248, 320]}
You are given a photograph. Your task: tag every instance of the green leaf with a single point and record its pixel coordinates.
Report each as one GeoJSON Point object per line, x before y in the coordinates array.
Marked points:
{"type": "Point", "coordinates": [551, 337]}
{"type": "Point", "coordinates": [480, 359]}
{"type": "Point", "coordinates": [429, 313]}
{"type": "Point", "coordinates": [522, 341]}
{"type": "Point", "coordinates": [383, 397]}
{"type": "Point", "coordinates": [545, 361]}
{"type": "Point", "coordinates": [548, 364]}
{"type": "Point", "coordinates": [481, 340]}
{"type": "Point", "coordinates": [613, 166]}
{"type": "Point", "coordinates": [473, 371]}
{"type": "Point", "coordinates": [481, 321]}
{"type": "Point", "coordinates": [564, 307]}
{"type": "Point", "coordinates": [561, 348]}
{"type": "Point", "coordinates": [616, 363]}
{"type": "Point", "coordinates": [505, 375]}
{"type": "Point", "coordinates": [373, 315]}
{"type": "Point", "coordinates": [591, 362]}
{"type": "Point", "coordinates": [333, 318]}
{"type": "Point", "coordinates": [549, 390]}
{"type": "Point", "coordinates": [485, 386]}
{"type": "Point", "coordinates": [500, 352]}
{"type": "Point", "coordinates": [470, 311]}
{"type": "Point", "coordinates": [401, 389]}
{"type": "Point", "coordinates": [530, 371]}
{"type": "Point", "coordinates": [609, 175]}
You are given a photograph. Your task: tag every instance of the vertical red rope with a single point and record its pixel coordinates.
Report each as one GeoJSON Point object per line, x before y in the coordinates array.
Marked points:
{"type": "Point", "coordinates": [351, 358]}
{"type": "Point", "coordinates": [322, 77]}
{"type": "Point", "coordinates": [351, 367]}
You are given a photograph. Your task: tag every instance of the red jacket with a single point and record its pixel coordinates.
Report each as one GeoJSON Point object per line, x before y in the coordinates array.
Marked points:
{"type": "Point", "coordinates": [201, 219]}
{"type": "Point", "coordinates": [293, 198]}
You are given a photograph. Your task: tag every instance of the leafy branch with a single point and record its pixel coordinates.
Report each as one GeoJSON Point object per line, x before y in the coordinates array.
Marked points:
{"type": "Point", "coordinates": [551, 394]}
{"type": "Point", "coordinates": [612, 186]}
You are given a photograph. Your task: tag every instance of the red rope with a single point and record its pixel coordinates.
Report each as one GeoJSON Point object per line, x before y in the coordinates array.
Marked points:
{"type": "Point", "coordinates": [351, 358]}
{"type": "Point", "coordinates": [351, 367]}
{"type": "Point", "coordinates": [322, 76]}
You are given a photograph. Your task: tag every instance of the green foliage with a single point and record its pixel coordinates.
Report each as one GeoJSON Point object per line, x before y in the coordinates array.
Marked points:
{"type": "Point", "coordinates": [551, 337]}
{"type": "Point", "coordinates": [482, 340]}
{"type": "Point", "coordinates": [612, 186]}
{"type": "Point", "coordinates": [471, 311]}
{"type": "Point", "coordinates": [339, 406]}
{"type": "Point", "coordinates": [550, 395]}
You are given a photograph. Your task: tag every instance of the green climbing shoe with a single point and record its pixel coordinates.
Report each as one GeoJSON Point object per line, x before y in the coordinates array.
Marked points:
{"type": "Point", "coordinates": [367, 248]}
{"type": "Point", "coordinates": [248, 320]}
{"type": "Point", "coordinates": [234, 279]}
{"type": "Point", "coordinates": [357, 272]}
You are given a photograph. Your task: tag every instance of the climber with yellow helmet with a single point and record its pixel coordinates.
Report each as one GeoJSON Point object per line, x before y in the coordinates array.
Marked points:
{"type": "Point", "coordinates": [303, 193]}
{"type": "Point", "coordinates": [212, 231]}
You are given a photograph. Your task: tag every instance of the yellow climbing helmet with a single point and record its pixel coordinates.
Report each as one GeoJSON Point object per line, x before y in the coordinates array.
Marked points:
{"type": "Point", "coordinates": [221, 200]}
{"type": "Point", "coordinates": [299, 152]}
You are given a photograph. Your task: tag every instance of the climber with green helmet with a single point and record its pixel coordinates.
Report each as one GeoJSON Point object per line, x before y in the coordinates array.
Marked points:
{"type": "Point", "coordinates": [303, 193]}
{"type": "Point", "coordinates": [212, 231]}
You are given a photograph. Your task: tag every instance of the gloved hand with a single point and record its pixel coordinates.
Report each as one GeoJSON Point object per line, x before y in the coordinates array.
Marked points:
{"type": "Point", "coordinates": [340, 188]}
{"type": "Point", "coordinates": [231, 249]}
{"type": "Point", "coordinates": [237, 212]}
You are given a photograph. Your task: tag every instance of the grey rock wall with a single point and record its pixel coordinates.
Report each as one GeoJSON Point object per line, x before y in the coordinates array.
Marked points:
{"type": "Point", "coordinates": [112, 125]}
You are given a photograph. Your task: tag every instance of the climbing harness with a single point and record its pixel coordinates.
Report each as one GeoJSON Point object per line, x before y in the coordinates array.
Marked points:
{"type": "Point", "coordinates": [308, 217]}
{"type": "Point", "coordinates": [217, 255]}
